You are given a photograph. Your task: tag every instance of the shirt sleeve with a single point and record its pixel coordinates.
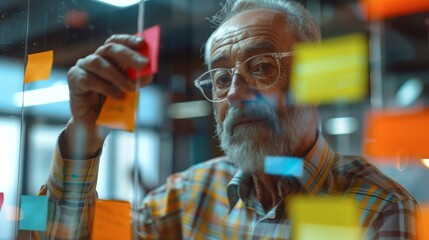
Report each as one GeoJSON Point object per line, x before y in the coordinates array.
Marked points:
{"type": "Point", "coordinates": [395, 222]}
{"type": "Point", "coordinates": [161, 214]}
{"type": "Point", "coordinates": [71, 192]}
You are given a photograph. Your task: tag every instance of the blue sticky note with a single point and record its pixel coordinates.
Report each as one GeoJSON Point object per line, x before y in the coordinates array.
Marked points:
{"type": "Point", "coordinates": [34, 213]}
{"type": "Point", "coordinates": [283, 166]}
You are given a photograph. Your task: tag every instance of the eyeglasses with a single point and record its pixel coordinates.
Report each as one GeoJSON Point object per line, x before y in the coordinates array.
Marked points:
{"type": "Point", "coordinates": [259, 72]}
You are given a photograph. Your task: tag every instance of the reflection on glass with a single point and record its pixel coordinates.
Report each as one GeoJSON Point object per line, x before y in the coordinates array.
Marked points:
{"type": "Point", "coordinates": [9, 156]}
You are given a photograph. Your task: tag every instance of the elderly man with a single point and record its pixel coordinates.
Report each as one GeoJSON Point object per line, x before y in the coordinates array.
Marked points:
{"type": "Point", "coordinates": [249, 58]}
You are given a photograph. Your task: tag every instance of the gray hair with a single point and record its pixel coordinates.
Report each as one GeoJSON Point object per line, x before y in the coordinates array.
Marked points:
{"type": "Point", "coordinates": [303, 25]}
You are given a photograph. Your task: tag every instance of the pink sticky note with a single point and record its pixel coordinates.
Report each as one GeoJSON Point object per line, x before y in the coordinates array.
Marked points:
{"type": "Point", "coordinates": [150, 49]}
{"type": "Point", "coordinates": [1, 199]}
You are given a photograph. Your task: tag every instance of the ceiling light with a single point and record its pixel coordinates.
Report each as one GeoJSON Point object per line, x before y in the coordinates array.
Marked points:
{"type": "Point", "coordinates": [120, 3]}
{"type": "Point", "coordinates": [53, 94]}
{"type": "Point", "coordinates": [409, 92]}
{"type": "Point", "coordinates": [191, 109]}
{"type": "Point", "coordinates": [425, 162]}
{"type": "Point", "coordinates": [341, 125]}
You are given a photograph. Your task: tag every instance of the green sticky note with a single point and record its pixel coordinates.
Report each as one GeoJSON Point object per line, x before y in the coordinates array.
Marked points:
{"type": "Point", "coordinates": [324, 218]}
{"type": "Point", "coordinates": [34, 213]}
{"type": "Point", "coordinates": [335, 70]}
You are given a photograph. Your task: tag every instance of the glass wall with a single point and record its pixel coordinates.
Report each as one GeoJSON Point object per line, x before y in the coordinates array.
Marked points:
{"type": "Point", "coordinates": [175, 125]}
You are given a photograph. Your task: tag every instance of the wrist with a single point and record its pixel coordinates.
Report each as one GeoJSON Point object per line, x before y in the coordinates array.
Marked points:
{"type": "Point", "coordinates": [80, 141]}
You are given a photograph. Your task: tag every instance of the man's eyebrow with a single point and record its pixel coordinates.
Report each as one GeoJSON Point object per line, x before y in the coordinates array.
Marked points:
{"type": "Point", "coordinates": [218, 59]}
{"type": "Point", "coordinates": [263, 47]}
{"type": "Point", "coordinates": [268, 46]}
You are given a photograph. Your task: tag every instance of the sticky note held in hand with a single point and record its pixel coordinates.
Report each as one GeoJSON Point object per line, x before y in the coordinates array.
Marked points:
{"type": "Point", "coordinates": [150, 49]}
{"type": "Point", "coordinates": [119, 113]}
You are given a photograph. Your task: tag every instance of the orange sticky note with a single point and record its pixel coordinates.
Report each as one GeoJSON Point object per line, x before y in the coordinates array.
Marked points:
{"type": "Point", "coordinates": [119, 113]}
{"type": "Point", "coordinates": [39, 66]}
{"type": "Point", "coordinates": [150, 49]}
{"type": "Point", "coordinates": [423, 222]}
{"type": "Point", "coordinates": [393, 133]}
{"type": "Point", "coordinates": [381, 9]}
{"type": "Point", "coordinates": [112, 220]}
{"type": "Point", "coordinates": [324, 218]}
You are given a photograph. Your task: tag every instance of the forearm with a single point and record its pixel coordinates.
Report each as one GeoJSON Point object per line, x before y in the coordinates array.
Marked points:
{"type": "Point", "coordinates": [71, 189]}
{"type": "Point", "coordinates": [67, 219]}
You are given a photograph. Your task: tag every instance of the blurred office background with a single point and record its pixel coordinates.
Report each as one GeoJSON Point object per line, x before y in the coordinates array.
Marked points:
{"type": "Point", "coordinates": [176, 127]}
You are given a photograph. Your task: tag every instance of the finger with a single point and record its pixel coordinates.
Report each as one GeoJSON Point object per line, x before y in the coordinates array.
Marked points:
{"type": "Point", "coordinates": [126, 39]}
{"type": "Point", "coordinates": [81, 82]}
{"type": "Point", "coordinates": [122, 55]}
{"type": "Point", "coordinates": [105, 70]}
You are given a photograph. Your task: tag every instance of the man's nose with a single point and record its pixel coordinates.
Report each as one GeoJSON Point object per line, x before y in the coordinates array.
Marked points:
{"type": "Point", "coordinates": [239, 91]}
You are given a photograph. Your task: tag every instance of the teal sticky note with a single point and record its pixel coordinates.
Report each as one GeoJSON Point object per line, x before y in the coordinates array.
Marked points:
{"type": "Point", "coordinates": [34, 213]}
{"type": "Point", "coordinates": [283, 166]}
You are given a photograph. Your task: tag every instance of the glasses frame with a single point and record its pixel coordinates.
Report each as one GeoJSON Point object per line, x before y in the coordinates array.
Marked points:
{"type": "Point", "coordinates": [277, 55]}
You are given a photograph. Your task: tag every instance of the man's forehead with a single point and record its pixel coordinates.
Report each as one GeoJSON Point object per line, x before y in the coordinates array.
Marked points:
{"type": "Point", "coordinates": [249, 32]}
{"type": "Point", "coordinates": [244, 51]}
{"type": "Point", "coordinates": [250, 18]}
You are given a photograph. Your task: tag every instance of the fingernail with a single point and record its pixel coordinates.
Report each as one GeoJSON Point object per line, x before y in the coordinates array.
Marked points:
{"type": "Point", "coordinates": [140, 59]}
{"type": "Point", "coordinates": [138, 39]}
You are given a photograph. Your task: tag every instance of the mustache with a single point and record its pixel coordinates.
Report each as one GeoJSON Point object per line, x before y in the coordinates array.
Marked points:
{"type": "Point", "coordinates": [254, 110]}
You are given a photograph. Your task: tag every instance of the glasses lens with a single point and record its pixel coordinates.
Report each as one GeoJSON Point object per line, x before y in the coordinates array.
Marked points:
{"type": "Point", "coordinates": [261, 71]}
{"type": "Point", "coordinates": [221, 78]}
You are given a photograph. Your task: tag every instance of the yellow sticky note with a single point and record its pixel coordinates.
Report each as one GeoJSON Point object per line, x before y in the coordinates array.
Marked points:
{"type": "Point", "coordinates": [324, 218]}
{"type": "Point", "coordinates": [119, 113]}
{"type": "Point", "coordinates": [112, 220]}
{"type": "Point", "coordinates": [39, 66]}
{"type": "Point", "coordinates": [334, 71]}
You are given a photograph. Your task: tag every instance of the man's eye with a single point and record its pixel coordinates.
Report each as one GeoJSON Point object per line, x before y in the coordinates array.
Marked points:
{"type": "Point", "coordinates": [263, 69]}
{"type": "Point", "coordinates": [222, 80]}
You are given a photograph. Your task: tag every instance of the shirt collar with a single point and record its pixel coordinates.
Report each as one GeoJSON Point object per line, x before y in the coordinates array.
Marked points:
{"type": "Point", "coordinates": [238, 187]}
{"type": "Point", "coordinates": [317, 166]}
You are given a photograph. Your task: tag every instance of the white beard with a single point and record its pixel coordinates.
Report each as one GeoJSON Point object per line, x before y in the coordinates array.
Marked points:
{"type": "Point", "coordinates": [246, 146]}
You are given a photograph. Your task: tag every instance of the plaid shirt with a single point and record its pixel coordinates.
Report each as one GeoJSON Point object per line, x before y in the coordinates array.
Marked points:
{"type": "Point", "coordinates": [214, 200]}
